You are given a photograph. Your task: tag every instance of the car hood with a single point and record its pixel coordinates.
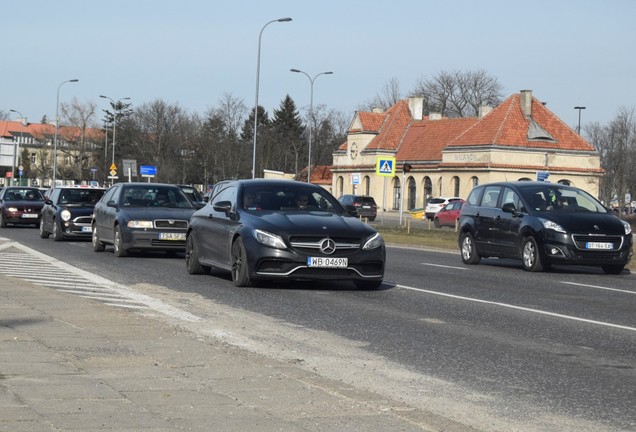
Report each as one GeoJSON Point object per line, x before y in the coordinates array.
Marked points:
{"type": "Point", "coordinates": [313, 223]}
{"type": "Point", "coordinates": [586, 223]}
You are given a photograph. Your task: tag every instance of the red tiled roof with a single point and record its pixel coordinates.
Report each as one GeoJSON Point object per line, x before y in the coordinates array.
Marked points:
{"type": "Point", "coordinates": [39, 131]}
{"type": "Point", "coordinates": [506, 125]}
{"type": "Point", "coordinates": [425, 139]}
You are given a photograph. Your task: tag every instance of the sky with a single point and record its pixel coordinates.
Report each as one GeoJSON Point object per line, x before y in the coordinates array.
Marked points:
{"type": "Point", "coordinates": [195, 52]}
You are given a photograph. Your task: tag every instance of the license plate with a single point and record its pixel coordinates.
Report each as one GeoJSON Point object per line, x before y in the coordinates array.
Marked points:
{"type": "Point", "coordinates": [87, 229]}
{"type": "Point", "coordinates": [366, 206]}
{"type": "Point", "coordinates": [30, 216]}
{"type": "Point", "coordinates": [172, 236]}
{"type": "Point", "coordinates": [327, 262]}
{"type": "Point", "coordinates": [599, 245]}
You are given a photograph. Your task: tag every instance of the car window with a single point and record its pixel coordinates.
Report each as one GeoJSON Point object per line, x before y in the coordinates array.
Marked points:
{"type": "Point", "coordinates": [491, 196]}
{"type": "Point", "coordinates": [473, 197]}
{"type": "Point", "coordinates": [226, 193]}
{"type": "Point", "coordinates": [285, 198]}
{"type": "Point", "coordinates": [510, 196]}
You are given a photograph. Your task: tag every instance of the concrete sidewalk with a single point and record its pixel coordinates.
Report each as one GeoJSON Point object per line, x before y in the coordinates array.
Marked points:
{"type": "Point", "coordinates": [68, 363]}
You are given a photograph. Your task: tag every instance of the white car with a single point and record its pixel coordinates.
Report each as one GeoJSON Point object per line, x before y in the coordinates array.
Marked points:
{"type": "Point", "coordinates": [436, 204]}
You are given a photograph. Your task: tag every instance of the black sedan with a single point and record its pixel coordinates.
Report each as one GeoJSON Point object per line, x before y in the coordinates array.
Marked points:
{"type": "Point", "coordinates": [68, 212]}
{"type": "Point", "coordinates": [262, 230]}
{"type": "Point", "coordinates": [20, 205]}
{"type": "Point", "coordinates": [541, 224]}
{"type": "Point", "coordinates": [142, 216]}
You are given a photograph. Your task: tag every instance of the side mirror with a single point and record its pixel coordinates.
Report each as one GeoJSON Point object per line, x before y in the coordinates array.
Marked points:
{"type": "Point", "coordinates": [509, 208]}
{"type": "Point", "coordinates": [111, 203]}
{"type": "Point", "coordinates": [199, 205]}
{"type": "Point", "coordinates": [223, 206]}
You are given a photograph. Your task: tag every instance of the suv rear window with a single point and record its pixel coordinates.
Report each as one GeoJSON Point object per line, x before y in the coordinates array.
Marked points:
{"type": "Point", "coordinates": [366, 200]}
{"type": "Point", "coordinates": [436, 200]}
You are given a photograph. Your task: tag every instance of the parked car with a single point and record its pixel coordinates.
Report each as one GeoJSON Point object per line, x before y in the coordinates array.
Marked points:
{"type": "Point", "coordinates": [259, 231]}
{"type": "Point", "coordinates": [542, 224]}
{"type": "Point", "coordinates": [366, 206]}
{"type": "Point", "coordinates": [192, 193]}
{"type": "Point", "coordinates": [142, 216]}
{"type": "Point", "coordinates": [68, 212]}
{"type": "Point", "coordinates": [433, 205]}
{"type": "Point", "coordinates": [449, 214]}
{"type": "Point", "coordinates": [20, 205]}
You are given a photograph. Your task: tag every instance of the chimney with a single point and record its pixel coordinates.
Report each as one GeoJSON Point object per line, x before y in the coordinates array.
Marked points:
{"type": "Point", "coordinates": [435, 116]}
{"type": "Point", "coordinates": [377, 110]}
{"type": "Point", "coordinates": [484, 110]}
{"type": "Point", "coordinates": [526, 102]}
{"type": "Point", "coordinates": [416, 106]}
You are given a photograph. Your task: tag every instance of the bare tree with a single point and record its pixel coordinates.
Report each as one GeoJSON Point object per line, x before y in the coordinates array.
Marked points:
{"type": "Point", "coordinates": [386, 98]}
{"type": "Point", "coordinates": [459, 93]}
{"type": "Point", "coordinates": [79, 140]}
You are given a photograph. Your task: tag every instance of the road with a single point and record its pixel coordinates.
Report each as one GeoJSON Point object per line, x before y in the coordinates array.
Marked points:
{"type": "Point", "coordinates": [490, 346]}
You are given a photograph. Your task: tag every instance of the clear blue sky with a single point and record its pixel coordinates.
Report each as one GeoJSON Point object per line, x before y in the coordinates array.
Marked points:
{"type": "Point", "coordinates": [192, 52]}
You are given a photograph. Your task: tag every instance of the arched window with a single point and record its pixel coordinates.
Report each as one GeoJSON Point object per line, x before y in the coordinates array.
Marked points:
{"type": "Point", "coordinates": [411, 195]}
{"type": "Point", "coordinates": [439, 187]}
{"type": "Point", "coordinates": [474, 181]}
{"type": "Point", "coordinates": [428, 190]}
{"type": "Point", "coordinates": [397, 193]}
{"type": "Point", "coordinates": [367, 185]}
{"type": "Point", "coordinates": [455, 186]}
{"type": "Point", "coordinates": [340, 186]}
{"type": "Point", "coordinates": [525, 179]}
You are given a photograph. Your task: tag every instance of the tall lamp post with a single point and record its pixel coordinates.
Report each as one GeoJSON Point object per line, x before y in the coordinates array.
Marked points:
{"type": "Point", "coordinates": [258, 71]}
{"type": "Point", "coordinates": [116, 109]}
{"type": "Point", "coordinates": [16, 149]}
{"type": "Point", "coordinates": [57, 123]}
{"type": "Point", "coordinates": [311, 114]}
{"type": "Point", "coordinates": [578, 129]}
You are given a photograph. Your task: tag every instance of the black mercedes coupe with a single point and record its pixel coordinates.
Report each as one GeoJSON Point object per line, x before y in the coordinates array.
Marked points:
{"type": "Point", "coordinates": [268, 230]}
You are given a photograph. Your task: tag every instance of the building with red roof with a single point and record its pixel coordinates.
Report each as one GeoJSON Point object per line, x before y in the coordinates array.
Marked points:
{"type": "Point", "coordinates": [449, 156]}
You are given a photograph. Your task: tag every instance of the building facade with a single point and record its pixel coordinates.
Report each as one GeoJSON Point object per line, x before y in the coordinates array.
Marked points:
{"type": "Point", "coordinates": [449, 156]}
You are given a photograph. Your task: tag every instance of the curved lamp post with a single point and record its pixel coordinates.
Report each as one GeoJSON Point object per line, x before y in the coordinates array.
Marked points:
{"type": "Point", "coordinates": [57, 123]}
{"type": "Point", "coordinates": [116, 109]}
{"type": "Point", "coordinates": [16, 149]}
{"type": "Point", "coordinates": [258, 70]}
{"type": "Point", "coordinates": [311, 114]}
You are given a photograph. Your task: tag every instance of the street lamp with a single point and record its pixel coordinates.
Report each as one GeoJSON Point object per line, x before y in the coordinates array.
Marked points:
{"type": "Point", "coordinates": [16, 149]}
{"type": "Point", "coordinates": [311, 114]}
{"type": "Point", "coordinates": [57, 122]}
{"type": "Point", "coordinates": [578, 129]}
{"type": "Point", "coordinates": [258, 71]}
{"type": "Point", "coordinates": [116, 109]}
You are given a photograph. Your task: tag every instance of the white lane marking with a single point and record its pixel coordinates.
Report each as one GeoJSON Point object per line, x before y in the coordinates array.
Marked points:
{"type": "Point", "coordinates": [506, 305]}
{"type": "Point", "coordinates": [149, 302]}
{"type": "Point", "coordinates": [598, 287]}
{"type": "Point", "coordinates": [444, 266]}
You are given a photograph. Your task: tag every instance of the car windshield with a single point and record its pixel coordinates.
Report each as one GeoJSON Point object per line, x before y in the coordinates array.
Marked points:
{"type": "Point", "coordinates": [288, 198]}
{"type": "Point", "coordinates": [554, 197]}
{"type": "Point", "coordinates": [80, 196]}
{"type": "Point", "coordinates": [154, 196]}
{"type": "Point", "coordinates": [18, 194]}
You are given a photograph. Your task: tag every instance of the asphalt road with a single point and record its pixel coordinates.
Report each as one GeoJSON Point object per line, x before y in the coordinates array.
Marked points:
{"type": "Point", "coordinates": [551, 351]}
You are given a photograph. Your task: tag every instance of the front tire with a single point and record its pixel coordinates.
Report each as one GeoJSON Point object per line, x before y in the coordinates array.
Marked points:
{"type": "Point", "coordinates": [3, 223]}
{"type": "Point", "coordinates": [98, 246]}
{"type": "Point", "coordinates": [192, 257]}
{"type": "Point", "coordinates": [436, 223]}
{"type": "Point", "coordinates": [57, 232]}
{"type": "Point", "coordinates": [469, 250]}
{"type": "Point", "coordinates": [530, 255]}
{"type": "Point", "coordinates": [120, 251]}
{"type": "Point", "coordinates": [240, 275]}
{"type": "Point", "coordinates": [43, 233]}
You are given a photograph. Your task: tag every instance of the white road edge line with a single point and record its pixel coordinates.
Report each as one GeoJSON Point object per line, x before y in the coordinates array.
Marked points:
{"type": "Point", "coordinates": [599, 287]}
{"type": "Point", "coordinates": [506, 305]}
{"type": "Point", "coordinates": [444, 266]}
{"type": "Point", "coordinates": [151, 302]}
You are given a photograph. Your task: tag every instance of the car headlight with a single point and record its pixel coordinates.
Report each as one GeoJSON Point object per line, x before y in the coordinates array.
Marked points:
{"type": "Point", "coordinates": [65, 215]}
{"type": "Point", "coordinates": [548, 224]}
{"type": "Point", "coordinates": [375, 241]}
{"type": "Point", "coordinates": [269, 239]}
{"type": "Point", "coordinates": [627, 226]}
{"type": "Point", "coordinates": [12, 209]}
{"type": "Point", "coordinates": [139, 224]}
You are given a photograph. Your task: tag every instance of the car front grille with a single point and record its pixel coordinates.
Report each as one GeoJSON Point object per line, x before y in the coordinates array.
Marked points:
{"type": "Point", "coordinates": [83, 220]}
{"type": "Point", "coordinates": [171, 224]}
{"type": "Point", "coordinates": [344, 246]}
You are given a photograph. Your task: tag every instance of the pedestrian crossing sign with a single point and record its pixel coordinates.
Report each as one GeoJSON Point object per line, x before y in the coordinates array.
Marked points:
{"type": "Point", "coordinates": [385, 166]}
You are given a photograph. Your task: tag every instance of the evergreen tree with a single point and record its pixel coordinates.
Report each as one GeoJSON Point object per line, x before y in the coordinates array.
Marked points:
{"type": "Point", "coordinates": [289, 147]}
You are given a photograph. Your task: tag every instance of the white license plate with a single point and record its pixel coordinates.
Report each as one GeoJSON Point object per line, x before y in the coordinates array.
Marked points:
{"type": "Point", "coordinates": [327, 262]}
{"type": "Point", "coordinates": [87, 229]}
{"type": "Point", "coordinates": [366, 206]}
{"type": "Point", "coordinates": [30, 216]}
{"type": "Point", "coordinates": [172, 236]}
{"type": "Point", "coordinates": [599, 245]}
